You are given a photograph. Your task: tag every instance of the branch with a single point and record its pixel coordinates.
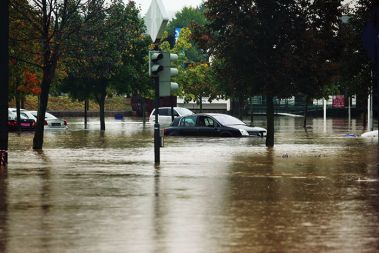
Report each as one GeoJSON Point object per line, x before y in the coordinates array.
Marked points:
{"type": "Point", "coordinates": [25, 14]}
{"type": "Point", "coordinates": [26, 61]}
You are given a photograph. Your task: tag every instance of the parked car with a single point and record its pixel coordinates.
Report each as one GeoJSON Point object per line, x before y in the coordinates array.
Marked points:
{"type": "Point", "coordinates": [51, 121]}
{"type": "Point", "coordinates": [25, 123]}
{"type": "Point", "coordinates": [24, 113]}
{"type": "Point", "coordinates": [164, 114]}
{"type": "Point", "coordinates": [212, 124]}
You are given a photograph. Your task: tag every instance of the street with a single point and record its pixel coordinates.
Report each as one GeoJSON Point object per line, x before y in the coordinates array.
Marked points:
{"type": "Point", "coordinates": [93, 191]}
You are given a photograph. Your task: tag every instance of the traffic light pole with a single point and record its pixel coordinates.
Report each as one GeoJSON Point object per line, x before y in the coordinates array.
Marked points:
{"type": "Point", "coordinates": [157, 138]}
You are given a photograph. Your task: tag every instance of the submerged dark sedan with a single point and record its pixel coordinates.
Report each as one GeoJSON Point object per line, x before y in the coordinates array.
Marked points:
{"type": "Point", "coordinates": [212, 124]}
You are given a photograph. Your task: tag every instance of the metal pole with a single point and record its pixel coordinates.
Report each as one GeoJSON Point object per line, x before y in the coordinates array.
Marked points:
{"type": "Point", "coordinates": [349, 111]}
{"type": "Point", "coordinates": [324, 114]}
{"type": "Point", "coordinates": [368, 112]}
{"type": "Point", "coordinates": [157, 140]}
{"type": "Point", "coordinates": [4, 78]}
{"type": "Point", "coordinates": [371, 111]}
{"type": "Point", "coordinates": [377, 81]}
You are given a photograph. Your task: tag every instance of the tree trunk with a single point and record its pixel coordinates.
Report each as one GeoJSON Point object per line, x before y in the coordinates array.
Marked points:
{"type": "Point", "coordinates": [270, 121]}
{"type": "Point", "coordinates": [201, 103]}
{"type": "Point", "coordinates": [102, 106]}
{"type": "Point", "coordinates": [86, 105]}
{"type": "Point", "coordinates": [143, 106]}
{"type": "Point", "coordinates": [50, 59]}
{"type": "Point", "coordinates": [241, 103]}
{"type": "Point", "coordinates": [47, 78]}
{"type": "Point", "coordinates": [22, 102]}
{"type": "Point", "coordinates": [305, 112]}
{"type": "Point", "coordinates": [251, 112]}
{"type": "Point", "coordinates": [102, 114]}
{"type": "Point", "coordinates": [18, 113]}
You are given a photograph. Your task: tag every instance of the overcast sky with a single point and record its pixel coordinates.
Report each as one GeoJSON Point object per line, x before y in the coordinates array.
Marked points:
{"type": "Point", "coordinates": [172, 6]}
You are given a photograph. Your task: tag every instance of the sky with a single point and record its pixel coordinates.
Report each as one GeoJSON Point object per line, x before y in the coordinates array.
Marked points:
{"type": "Point", "coordinates": [172, 6]}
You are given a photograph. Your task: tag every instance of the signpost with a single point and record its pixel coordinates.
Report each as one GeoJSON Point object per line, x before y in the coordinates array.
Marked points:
{"type": "Point", "coordinates": [156, 20]}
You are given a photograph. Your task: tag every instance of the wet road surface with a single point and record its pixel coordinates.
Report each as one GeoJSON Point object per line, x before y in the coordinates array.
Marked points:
{"type": "Point", "coordinates": [92, 191]}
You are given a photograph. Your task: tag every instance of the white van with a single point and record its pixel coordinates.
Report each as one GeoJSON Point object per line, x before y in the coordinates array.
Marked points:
{"type": "Point", "coordinates": [164, 114]}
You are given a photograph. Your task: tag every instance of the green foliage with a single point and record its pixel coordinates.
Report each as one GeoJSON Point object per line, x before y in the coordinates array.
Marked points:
{"type": "Point", "coordinates": [132, 77]}
{"type": "Point", "coordinates": [22, 52]}
{"type": "Point", "coordinates": [106, 51]}
{"type": "Point", "coordinates": [197, 82]}
{"type": "Point", "coordinates": [356, 68]}
{"type": "Point", "coordinates": [189, 18]}
{"type": "Point", "coordinates": [272, 48]}
{"type": "Point", "coordinates": [318, 48]}
{"type": "Point", "coordinates": [186, 18]}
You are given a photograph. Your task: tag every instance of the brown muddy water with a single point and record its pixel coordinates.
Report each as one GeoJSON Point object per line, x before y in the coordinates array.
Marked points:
{"type": "Point", "coordinates": [92, 191]}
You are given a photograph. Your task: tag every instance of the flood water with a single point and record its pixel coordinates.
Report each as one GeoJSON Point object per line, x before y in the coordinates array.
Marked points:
{"type": "Point", "coordinates": [92, 191]}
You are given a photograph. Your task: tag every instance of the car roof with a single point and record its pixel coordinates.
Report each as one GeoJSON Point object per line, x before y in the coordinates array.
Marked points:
{"type": "Point", "coordinates": [169, 107]}
{"type": "Point", "coordinates": [21, 109]}
{"type": "Point", "coordinates": [206, 114]}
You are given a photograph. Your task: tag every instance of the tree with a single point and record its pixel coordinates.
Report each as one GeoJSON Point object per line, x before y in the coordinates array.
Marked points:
{"type": "Point", "coordinates": [356, 68]}
{"type": "Point", "coordinates": [23, 77]}
{"type": "Point", "coordinates": [317, 49]}
{"type": "Point", "coordinates": [188, 17]}
{"type": "Point", "coordinates": [132, 77]}
{"type": "Point", "coordinates": [197, 83]}
{"type": "Point", "coordinates": [196, 80]}
{"type": "Point", "coordinates": [53, 23]}
{"type": "Point", "coordinates": [254, 39]}
{"type": "Point", "coordinates": [101, 49]}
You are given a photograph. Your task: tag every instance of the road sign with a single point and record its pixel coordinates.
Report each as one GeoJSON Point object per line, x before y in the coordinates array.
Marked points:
{"type": "Point", "coordinates": [156, 19]}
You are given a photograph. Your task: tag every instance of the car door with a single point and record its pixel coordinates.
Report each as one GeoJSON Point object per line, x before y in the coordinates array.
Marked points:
{"type": "Point", "coordinates": [188, 126]}
{"type": "Point", "coordinates": [164, 116]}
{"type": "Point", "coordinates": [206, 126]}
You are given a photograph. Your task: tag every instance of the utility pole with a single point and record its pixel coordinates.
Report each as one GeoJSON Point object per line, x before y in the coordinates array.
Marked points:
{"type": "Point", "coordinates": [4, 78]}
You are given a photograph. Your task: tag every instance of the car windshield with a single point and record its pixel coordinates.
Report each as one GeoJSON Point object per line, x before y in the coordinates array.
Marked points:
{"type": "Point", "coordinates": [49, 116]}
{"type": "Point", "coordinates": [183, 111]}
{"type": "Point", "coordinates": [228, 120]}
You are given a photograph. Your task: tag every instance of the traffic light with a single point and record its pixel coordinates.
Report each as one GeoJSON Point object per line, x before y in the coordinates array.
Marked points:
{"type": "Point", "coordinates": [160, 66]}
{"type": "Point", "coordinates": [166, 87]}
{"type": "Point", "coordinates": [154, 63]}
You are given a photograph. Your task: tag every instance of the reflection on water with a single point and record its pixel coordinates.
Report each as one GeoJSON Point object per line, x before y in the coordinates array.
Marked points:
{"type": "Point", "coordinates": [93, 191]}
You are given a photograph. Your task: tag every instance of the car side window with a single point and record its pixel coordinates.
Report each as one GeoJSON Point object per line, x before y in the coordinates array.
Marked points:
{"type": "Point", "coordinates": [188, 121]}
{"type": "Point", "coordinates": [200, 121]}
{"type": "Point", "coordinates": [209, 122]}
{"type": "Point", "coordinates": [163, 112]}
{"type": "Point", "coordinates": [22, 114]}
